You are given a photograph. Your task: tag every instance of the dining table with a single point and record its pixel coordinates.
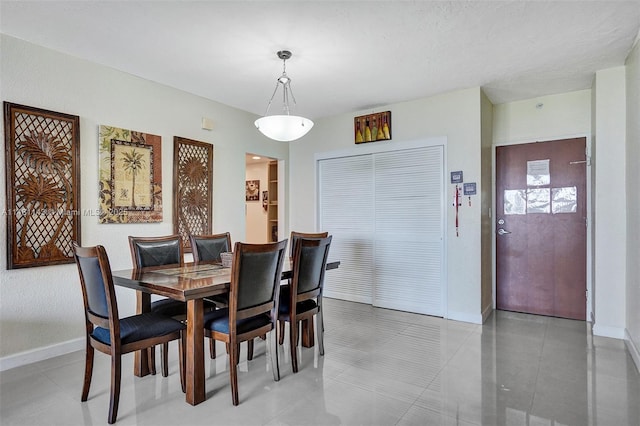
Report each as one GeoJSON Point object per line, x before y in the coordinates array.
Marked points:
{"type": "Point", "coordinates": [190, 283]}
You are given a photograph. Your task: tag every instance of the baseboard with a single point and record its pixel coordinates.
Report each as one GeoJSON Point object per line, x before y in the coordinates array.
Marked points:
{"type": "Point", "coordinates": [486, 312]}
{"type": "Point", "coordinates": [608, 331]}
{"type": "Point", "coordinates": [465, 317]}
{"type": "Point", "coordinates": [633, 349]}
{"type": "Point", "coordinates": [40, 354]}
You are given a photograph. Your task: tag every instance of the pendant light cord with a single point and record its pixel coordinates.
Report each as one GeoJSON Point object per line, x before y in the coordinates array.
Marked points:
{"type": "Point", "coordinates": [286, 90]}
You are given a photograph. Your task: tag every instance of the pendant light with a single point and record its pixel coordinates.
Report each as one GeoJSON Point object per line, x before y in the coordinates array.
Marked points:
{"type": "Point", "coordinates": [284, 127]}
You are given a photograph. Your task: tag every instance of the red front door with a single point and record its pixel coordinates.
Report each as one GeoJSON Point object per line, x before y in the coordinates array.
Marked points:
{"type": "Point", "coordinates": [541, 236]}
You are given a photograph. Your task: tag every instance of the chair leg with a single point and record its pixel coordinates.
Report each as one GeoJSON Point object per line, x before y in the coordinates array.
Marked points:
{"type": "Point", "coordinates": [151, 360]}
{"type": "Point", "coordinates": [233, 372]}
{"type": "Point", "coordinates": [115, 387]}
{"type": "Point", "coordinates": [293, 343]}
{"type": "Point", "coordinates": [151, 357]}
{"type": "Point", "coordinates": [212, 348]}
{"type": "Point", "coordinates": [307, 332]}
{"type": "Point", "coordinates": [320, 326]}
{"type": "Point", "coordinates": [249, 350]}
{"type": "Point", "coordinates": [88, 371]}
{"type": "Point", "coordinates": [165, 359]}
{"type": "Point", "coordinates": [181, 361]}
{"type": "Point", "coordinates": [281, 331]}
{"type": "Point", "coordinates": [275, 365]}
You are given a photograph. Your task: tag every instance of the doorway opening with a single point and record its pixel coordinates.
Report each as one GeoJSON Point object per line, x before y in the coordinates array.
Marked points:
{"type": "Point", "coordinates": [261, 199]}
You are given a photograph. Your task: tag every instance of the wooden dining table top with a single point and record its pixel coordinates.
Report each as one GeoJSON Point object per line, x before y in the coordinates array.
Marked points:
{"type": "Point", "coordinates": [186, 282]}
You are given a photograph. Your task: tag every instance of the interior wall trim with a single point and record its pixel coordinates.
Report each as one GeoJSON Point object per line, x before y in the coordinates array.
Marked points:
{"type": "Point", "coordinates": [633, 349]}
{"type": "Point", "coordinates": [486, 312]}
{"type": "Point", "coordinates": [40, 354]}
{"type": "Point", "coordinates": [608, 331]}
{"type": "Point", "coordinates": [464, 317]}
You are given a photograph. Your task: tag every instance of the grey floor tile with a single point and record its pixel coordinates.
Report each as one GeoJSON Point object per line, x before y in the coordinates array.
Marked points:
{"type": "Point", "coordinates": [381, 367]}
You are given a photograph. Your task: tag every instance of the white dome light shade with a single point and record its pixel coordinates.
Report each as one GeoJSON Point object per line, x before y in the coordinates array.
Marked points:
{"type": "Point", "coordinates": [283, 128]}
{"type": "Point", "coordinates": [286, 127]}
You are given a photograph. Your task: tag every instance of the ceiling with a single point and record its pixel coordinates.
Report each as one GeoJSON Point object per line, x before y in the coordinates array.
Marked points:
{"type": "Point", "coordinates": [256, 159]}
{"type": "Point", "coordinates": [347, 56]}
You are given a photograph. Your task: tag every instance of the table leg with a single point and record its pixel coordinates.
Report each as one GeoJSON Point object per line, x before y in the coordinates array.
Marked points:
{"type": "Point", "coordinates": [140, 359]}
{"type": "Point", "coordinates": [194, 372]}
{"type": "Point", "coordinates": [307, 333]}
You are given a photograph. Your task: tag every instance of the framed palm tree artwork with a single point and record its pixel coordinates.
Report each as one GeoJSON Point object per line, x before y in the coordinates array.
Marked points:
{"type": "Point", "coordinates": [192, 188]}
{"type": "Point", "coordinates": [43, 186]}
{"type": "Point", "coordinates": [130, 176]}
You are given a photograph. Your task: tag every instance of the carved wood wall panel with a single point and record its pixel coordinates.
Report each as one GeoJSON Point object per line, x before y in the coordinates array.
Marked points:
{"type": "Point", "coordinates": [192, 188]}
{"type": "Point", "coordinates": [43, 185]}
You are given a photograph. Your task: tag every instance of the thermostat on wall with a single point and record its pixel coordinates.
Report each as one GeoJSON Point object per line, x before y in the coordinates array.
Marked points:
{"type": "Point", "coordinates": [469, 188]}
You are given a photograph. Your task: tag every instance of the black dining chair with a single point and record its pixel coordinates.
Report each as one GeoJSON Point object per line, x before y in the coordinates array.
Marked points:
{"type": "Point", "coordinates": [147, 252]}
{"type": "Point", "coordinates": [253, 304]}
{"type": "Point", "coordinates": [302, 299]}
{"type": "Point", "coordinates": [207, 248]}
{"type": "Point", "coordinates": [112, 335]}
{"type": "Point", "coordinates": [295, 237]}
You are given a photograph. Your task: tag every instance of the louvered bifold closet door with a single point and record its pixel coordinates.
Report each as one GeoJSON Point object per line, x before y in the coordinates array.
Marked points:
{"type": "Point", "coordinates": [385, 212]}
{"type": "Point", "coordinates": [408, 248]}
{"type": "Point", "coordinates": [346, 212]}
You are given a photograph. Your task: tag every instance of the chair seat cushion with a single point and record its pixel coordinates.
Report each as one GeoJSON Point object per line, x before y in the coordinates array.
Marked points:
{"type": "Point", "coordinates": [219, 321]}
{"type": "Point", "coordinates": [175, 308]}
{"type": "Point", "coordinates": [140, 327]}
{"type": "Point", "coordinates": [283, 309]}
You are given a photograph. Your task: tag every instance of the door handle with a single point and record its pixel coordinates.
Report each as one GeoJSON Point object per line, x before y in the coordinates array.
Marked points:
{"type": "Point", "coordinates": [503, 232]}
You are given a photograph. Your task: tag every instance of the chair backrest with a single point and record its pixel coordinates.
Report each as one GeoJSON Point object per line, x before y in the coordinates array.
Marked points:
{"type": "Point", "coordinates": [255, 279]}
{"type": "Point", "coordinates": [295, 236]}
{"type": "Point", "coordinates": [98, 292]}
{"type": "Point", "coordinates": [309, 264]}
{"type": "Point", "coordinates": [156, 251]}
{"type": "Point", "coordinates": [207, 248]}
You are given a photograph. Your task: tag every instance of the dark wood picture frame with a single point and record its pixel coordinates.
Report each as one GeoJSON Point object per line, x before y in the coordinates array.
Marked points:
{"type": "Point", "coordinates": [192, 189]}
{"type": "Point", "coordinates": [43, 185]}
{"type": "Point", "coordinates": [372, 127]}
{"type": "Point", "coordinates": [252, 190]}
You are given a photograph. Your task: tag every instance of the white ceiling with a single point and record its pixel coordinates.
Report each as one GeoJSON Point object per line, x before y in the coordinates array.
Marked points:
{"type": "Point", "coordinates": [348, 55]}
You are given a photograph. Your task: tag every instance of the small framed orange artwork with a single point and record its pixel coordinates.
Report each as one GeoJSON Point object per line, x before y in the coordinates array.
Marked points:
{"type": "Point", "coordinates": [372, 127]}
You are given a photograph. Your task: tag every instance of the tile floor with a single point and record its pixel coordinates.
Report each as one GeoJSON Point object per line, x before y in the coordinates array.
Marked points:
{"type": "Point", "coordinates": [381, 367]}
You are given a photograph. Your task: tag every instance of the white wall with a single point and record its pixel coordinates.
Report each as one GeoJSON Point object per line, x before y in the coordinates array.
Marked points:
{"type": "Point", "coordinates": [455, 116]}
{"type": "Point", "coordinates": [633, 203]}
{"type": "Point", "coordinates": [565, 115]}
{"type": "Point", "coordinates": [256, 231]}
{"type": "Point", "coordinates": [42, 306]}
{"type": "Point", "coordinates": [610, 230]}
